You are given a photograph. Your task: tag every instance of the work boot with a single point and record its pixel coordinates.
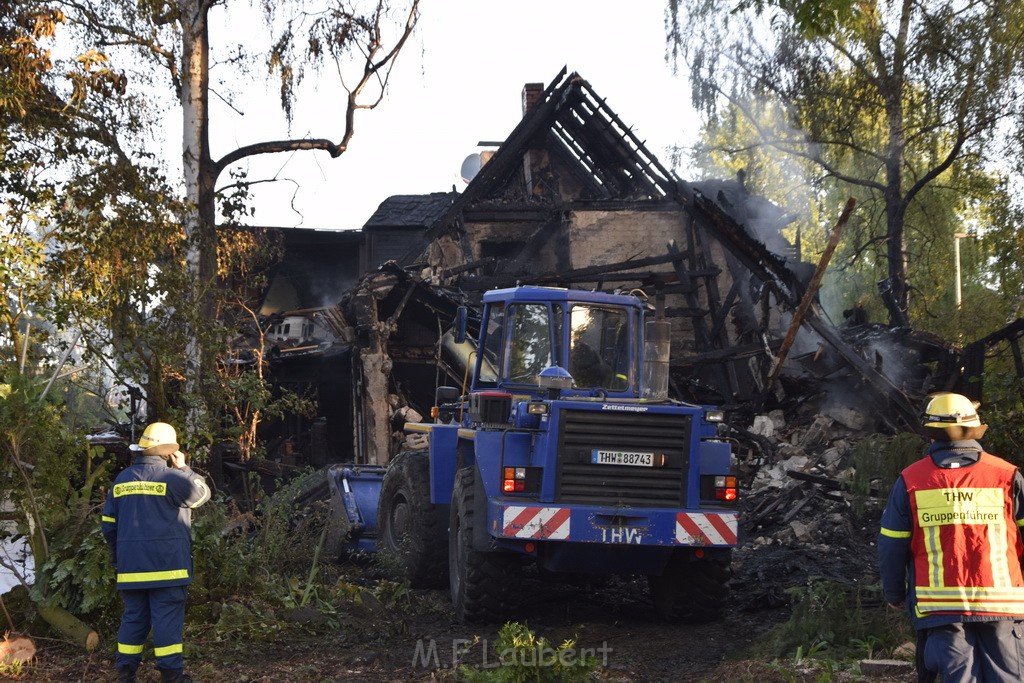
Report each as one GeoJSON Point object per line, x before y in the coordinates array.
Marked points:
{"type": "Point", "coordinates": [125, 675]}
{"type": "Point", "coordinates": [174, 676]}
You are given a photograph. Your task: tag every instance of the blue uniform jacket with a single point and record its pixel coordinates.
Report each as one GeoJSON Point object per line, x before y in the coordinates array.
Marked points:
{"type": "Point", "coordinates": [895, 563]}
{"type": "Point", "coordinates": [147, 521]}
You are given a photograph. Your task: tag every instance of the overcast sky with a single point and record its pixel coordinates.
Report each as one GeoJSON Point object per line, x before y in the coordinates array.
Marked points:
{"type": "Point", "coordinates": [459, 82]}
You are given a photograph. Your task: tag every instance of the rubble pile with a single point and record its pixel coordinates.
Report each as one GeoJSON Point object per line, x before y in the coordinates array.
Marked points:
{"type": "Point", "coordinates": [799, 518]}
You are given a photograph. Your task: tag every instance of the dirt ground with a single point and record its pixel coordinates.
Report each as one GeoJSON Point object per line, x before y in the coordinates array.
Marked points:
{"type": "Point", "coordinates": [420, 640]}
{"type": "Point", "coordinates": [630, 643]}
{"type": "Point", "coordinates": [416, 637]}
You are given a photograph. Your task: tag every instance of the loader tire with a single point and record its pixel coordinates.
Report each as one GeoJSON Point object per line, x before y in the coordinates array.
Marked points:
{"type": "Point", "coordinates": [483, 583]}
{"type": "Point", "coordinates": [692, 591]}
{"type": "Point", "coordinates": [410, 528]}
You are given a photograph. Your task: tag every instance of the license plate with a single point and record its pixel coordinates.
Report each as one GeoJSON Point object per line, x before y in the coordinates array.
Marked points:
{"type": "Point", "coordinates": [622, 458]}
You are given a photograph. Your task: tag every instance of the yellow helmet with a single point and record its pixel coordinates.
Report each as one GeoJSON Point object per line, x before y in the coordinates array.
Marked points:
{"type": "Point", "coordinates": [947, 410]}
{"type": "Point", "coordinates": [159, 438]}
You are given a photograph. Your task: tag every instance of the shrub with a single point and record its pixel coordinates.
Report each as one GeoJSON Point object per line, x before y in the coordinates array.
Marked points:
{"type": "Point", "coordinates": [522, 656]}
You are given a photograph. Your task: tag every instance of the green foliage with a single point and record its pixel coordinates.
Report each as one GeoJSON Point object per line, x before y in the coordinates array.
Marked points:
{"type": "Point", "coordinates": [32, 441]}
{"type": "Point", "coordinates": [262, 563]}
{"type": "Point", "coordinates": [95, 239]}
{"type": "Point", "coordinates": [815, 18]}
{"type": "Point", "coordinates": [924, 150]}
{"type": "Point", "coordinates": [879, 458]}
{"type": "Point", "coordinates": [78, 575]}
{"type": "Point", "coordinates": [834, 618]}
{"type": "Point", "coordinates": [523, 656]}
{"type": "Point", "coordinates": [223, 556]}
{"type": "Point", "coordinates": [1003, 409]}
{"type": "Point", "coordinates": [56, 488]}
{"type": "Point", "coordinates": [393, 594]}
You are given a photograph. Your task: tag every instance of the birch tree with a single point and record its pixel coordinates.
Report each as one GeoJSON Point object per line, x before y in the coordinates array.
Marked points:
{"type": "Point", "coordinates": [166, 44]}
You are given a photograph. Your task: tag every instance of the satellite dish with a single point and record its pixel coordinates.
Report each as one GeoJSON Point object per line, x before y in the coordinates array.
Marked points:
{"type": "Point", "coordinates": [471, 166]}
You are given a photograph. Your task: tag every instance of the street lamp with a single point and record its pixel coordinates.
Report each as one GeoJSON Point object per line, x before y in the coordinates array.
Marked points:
{"type": "Point", "coordinates": [957, 236]}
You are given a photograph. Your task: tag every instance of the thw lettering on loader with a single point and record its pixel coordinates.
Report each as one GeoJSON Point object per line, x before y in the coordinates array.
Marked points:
{"type": "Point", "coordinates": [622, 535]}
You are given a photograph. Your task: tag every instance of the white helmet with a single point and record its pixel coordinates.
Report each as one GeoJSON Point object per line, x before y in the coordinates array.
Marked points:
{"type": "Point", "coordinates": [949, 410]}
{"type": "Point", "coordinates": [159, 438]}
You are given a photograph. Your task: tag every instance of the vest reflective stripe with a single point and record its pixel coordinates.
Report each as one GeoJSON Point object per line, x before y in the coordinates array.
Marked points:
{"type": "Point", "coordinates": [129, 649]}
{"type": "Point", "coordinates": [139, 577]}
{"type": "Point", "coordinates": [971, 599]}
{"type": "Point", "coordinates": [206, 492]}
{"type": "Point", "coordinates": [104, 518]}
{"type": "Point", "coordinates": [933, 546]}
{"type": "Point", "coordinates": [895, 534]}
{"type": "Point", "coordinates": [997, 542]}
{"type": "Point", "coordinates": [965, 542]}
{"type": "Point", "coordinates": [140, 488]}
{"type": "Point", "coordinates": [167, 650]}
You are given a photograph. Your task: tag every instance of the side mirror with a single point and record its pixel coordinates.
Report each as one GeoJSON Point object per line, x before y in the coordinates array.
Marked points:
{"type": "Point", "coordinates": [443, 409]}
{"type": "Point", "coordinates": [447, 395]}
{"type": "Point", "coordinates": [461, 316]}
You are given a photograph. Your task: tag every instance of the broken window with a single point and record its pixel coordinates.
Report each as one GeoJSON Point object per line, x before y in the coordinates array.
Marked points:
{"type": "Point", "coordinates": [599, 348]}
{"type": "Point", "coordinates": [530, 351]}
{"type": "Point", "coordinates": [487, 375]}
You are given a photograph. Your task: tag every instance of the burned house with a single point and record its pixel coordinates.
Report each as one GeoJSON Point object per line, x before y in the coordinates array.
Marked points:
{"type": "Point", "coordinates": [573, 198]}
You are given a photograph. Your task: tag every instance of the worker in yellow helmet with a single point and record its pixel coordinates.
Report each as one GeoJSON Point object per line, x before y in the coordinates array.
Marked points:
{"type": "Point", "coordinates": [950, 549]}
{"type": "Point", "coordinates": [147, 521]}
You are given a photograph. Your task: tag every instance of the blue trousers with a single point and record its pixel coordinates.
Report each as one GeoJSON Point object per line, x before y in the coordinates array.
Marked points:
{"type": "Point", "coordinates": [977, 651]}
{"type": "Point", "coordinates": [159, 609]}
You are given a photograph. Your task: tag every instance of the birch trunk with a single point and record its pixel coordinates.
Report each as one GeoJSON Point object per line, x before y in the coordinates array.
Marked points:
{"type": "Point", "coordinates": [199, 180]}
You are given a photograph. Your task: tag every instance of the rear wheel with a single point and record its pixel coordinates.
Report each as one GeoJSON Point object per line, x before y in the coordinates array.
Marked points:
{"type": "Point", "coordinates": [691, 590]}
{"type": "Point", "coordinates": [482, 583]}
{"type": "Point", "coordinates": [409, 525]}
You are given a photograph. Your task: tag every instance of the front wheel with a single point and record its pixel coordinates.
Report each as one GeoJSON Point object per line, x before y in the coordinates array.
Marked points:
{"type": "Point", "coordinates": [409, 528]}
{"type": "Point", "coordinates": [482, 583]}
{"type": "Point", "coordinates": [691, 590]}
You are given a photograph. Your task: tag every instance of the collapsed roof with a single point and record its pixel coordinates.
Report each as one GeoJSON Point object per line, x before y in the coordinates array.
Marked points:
{"type": "Point", "coordinates": [573, 198]}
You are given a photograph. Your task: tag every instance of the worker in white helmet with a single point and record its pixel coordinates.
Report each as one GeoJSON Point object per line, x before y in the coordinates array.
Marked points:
{"type": "Point", "coordinates": [147, 521]}
{"type": "Point", "coordinates": [950, 550]}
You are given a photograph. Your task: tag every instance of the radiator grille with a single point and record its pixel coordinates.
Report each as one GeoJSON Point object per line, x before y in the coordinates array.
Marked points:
{"type": "Point", "coordinates": [580, 481]}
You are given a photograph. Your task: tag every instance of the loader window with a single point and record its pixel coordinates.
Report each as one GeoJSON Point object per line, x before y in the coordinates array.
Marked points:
{"type": "Point", "coordinates": [599, 348]}
{"type": "Point", "coordinates": [530, 351]}
{"type": "Point", "coordinates": [491, 352]}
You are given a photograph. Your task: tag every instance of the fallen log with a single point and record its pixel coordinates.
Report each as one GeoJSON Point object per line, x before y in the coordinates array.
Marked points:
{"type": "Point", "coordinates": [69, 625]}
{"type": "Point", "coordinates": [16, 648]}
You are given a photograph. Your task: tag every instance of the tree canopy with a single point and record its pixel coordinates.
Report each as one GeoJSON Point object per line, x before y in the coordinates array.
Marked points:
{"type": "Point", "coordinates": [126, 237]}
{"type": "Point", "coordinates": [913, 107]}
{"type": "Point", "coordinates": [117, 256]}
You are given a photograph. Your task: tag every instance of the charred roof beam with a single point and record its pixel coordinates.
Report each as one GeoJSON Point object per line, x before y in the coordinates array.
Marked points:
{"type": "Point", "coordinates": [661, 175]}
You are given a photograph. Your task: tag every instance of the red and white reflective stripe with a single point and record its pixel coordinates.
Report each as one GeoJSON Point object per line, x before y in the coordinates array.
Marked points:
{"type": "Point", "coordinates": [707, 528]}
{"type": "Point", "coordinates": [535, 522]}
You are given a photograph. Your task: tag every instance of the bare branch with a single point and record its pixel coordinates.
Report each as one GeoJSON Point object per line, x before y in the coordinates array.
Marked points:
{"type": "Point", "coordinates": [375, 68]}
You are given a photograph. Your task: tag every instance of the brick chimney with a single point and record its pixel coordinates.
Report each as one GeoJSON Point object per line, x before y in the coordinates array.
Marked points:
{"type": "Point", "coordinates": [531, 95]}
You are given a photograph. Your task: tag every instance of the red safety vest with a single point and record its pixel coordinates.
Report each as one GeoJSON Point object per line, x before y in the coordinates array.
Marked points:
{"type": "Point", "coordinates": [965, 542]}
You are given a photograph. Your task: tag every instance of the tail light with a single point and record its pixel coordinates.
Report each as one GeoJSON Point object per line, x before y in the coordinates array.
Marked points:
{"type": "Point", "coordinates": [718, 488]}
{"type": "Point", "coordinates": [725, 488]}
{"type": "Point", "coordinates": [520, 479]}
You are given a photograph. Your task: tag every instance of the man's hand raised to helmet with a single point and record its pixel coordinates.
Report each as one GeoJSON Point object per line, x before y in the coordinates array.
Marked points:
{"type": "Point", "coordinates": [176, 460]}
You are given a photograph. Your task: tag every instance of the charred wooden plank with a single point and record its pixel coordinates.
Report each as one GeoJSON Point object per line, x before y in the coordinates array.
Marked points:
{"type": "Point", "coordinates": [879, 383]}
{"type": "Point", "coordinates": [730, 300]}
{"type": "Point", "coordinates": [719, 355]}
{"type": "Point", "coordinates": [748, 250]}
{"type": "Point", "coordinates": [472, 265]}
{"type": "Point", "coordinates": [811, 293]}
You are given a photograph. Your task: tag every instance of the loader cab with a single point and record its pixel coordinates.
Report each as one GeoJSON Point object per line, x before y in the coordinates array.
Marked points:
{"type": "Point", "coordinates": [595, 337]}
